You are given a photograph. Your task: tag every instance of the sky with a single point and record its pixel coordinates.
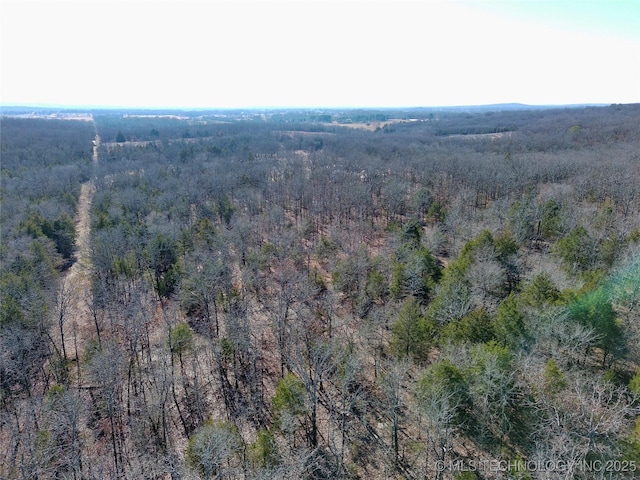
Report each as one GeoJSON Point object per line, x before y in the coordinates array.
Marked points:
{"type": "Point", "coordinates": [325, 53]}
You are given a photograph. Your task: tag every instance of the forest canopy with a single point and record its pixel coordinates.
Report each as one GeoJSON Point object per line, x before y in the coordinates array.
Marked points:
{"type": "Point", "coordinates": [320, 294]}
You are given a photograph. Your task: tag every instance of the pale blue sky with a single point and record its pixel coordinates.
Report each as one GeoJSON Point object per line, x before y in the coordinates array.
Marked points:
{"type": "Point", "coordinates": [319, 53]}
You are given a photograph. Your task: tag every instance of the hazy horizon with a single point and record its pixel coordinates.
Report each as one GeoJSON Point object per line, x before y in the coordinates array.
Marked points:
{"type": "Point", "coordinates": [300, 107]}
{"type": "Point", "coordinates": [318, 54]}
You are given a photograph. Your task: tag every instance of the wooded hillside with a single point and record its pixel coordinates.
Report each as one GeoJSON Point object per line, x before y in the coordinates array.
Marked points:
{"type": "Point", "coordinates": [322, 294]}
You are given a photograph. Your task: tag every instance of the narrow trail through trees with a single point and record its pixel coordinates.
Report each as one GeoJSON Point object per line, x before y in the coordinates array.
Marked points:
{"type": "Point", "coordinates": [74, 323]}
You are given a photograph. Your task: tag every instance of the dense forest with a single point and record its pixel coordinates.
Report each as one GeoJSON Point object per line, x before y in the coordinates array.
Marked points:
{"type": "Point", "coordinates": [291, 294]}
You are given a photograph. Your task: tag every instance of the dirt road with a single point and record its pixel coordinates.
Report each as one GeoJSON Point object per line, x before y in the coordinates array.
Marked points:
{"type": "Point", "coordinates": [75, 324]}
